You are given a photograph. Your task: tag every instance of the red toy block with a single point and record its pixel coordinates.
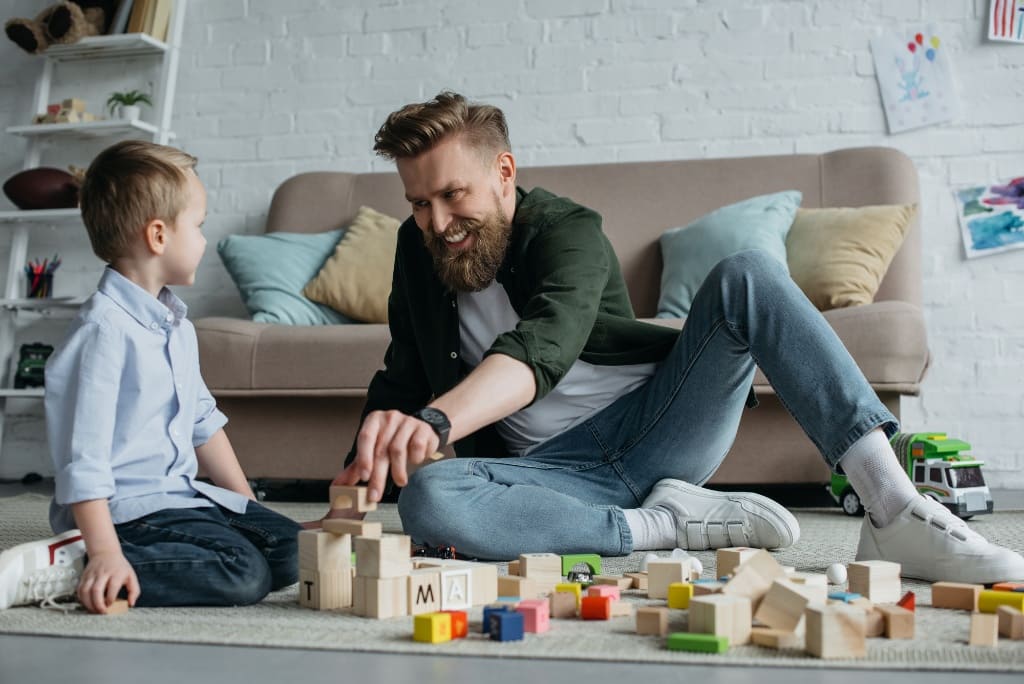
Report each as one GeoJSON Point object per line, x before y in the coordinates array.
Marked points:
{"type": "Point", "coordinates": [460, 623]}
{"type": "Point", "coordinates": [596, 608]}
{"type": "Point", "coordinates": [907, 601]}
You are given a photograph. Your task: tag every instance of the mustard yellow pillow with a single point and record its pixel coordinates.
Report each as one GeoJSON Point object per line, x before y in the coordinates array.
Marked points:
{"type": "Point", "coordinates": [356, 279]}
{"type": "Point", "coordinates": [839, 256]}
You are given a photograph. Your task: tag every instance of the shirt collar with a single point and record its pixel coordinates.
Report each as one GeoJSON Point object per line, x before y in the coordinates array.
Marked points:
{"type": "Point", "coordinates": [151, 312]}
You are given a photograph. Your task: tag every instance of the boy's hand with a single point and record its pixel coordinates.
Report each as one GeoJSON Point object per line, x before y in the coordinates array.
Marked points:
{"type": "Point", "coordinates": [102, 579]}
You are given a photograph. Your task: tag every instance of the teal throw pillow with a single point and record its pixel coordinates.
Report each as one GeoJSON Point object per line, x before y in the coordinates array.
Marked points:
{"type": "Point", "coordinates": [271, 270]}
{"type": "Point", "coordinates": [689, 253]}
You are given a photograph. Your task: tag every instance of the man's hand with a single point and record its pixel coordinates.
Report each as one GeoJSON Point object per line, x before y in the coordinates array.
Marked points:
{"type": "Point", "coordinates": [388, 440]}
{"type": "Point", "coordinates": [102, 579]}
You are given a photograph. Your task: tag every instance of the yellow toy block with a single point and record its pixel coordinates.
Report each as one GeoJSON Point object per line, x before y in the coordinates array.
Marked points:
{"type": "Point", "coordinates": [574, 588]}
{"type": "Point", "coordinates": [432, 628]}
{"type": "Point", "coordinates": [989, 601]}
{"type": "Point", "coordinates": [679, 595]}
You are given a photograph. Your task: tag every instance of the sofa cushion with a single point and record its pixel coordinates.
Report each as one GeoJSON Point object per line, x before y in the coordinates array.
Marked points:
{"type": "Point", "coordinates": [356, 280]}
{"type": "Point", "coordinates": [839, 256]}
{"type": "Point", "coordinates": [271, 270]}
{"type": "Point", "coordinates": [689, 253]}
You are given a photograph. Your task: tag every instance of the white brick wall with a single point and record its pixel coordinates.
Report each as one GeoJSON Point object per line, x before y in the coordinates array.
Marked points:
{"type": "Point", "coordinates": [268, 89]}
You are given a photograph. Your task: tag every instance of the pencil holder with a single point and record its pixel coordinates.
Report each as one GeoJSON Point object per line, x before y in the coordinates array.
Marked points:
{"type": "Point", "coordinates": [39, 285]}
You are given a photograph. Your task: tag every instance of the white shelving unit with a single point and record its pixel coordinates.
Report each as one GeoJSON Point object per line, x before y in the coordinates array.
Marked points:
{"type": "Point", "coordinates": [13, 306]}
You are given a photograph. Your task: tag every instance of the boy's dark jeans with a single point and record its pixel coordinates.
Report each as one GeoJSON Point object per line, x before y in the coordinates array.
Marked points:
{"type": "Point", "coordinates": [210, 556]}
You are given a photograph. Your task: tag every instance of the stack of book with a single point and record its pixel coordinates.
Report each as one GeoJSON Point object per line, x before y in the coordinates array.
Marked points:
{"type": "Point", "coordinates": [143, 16]}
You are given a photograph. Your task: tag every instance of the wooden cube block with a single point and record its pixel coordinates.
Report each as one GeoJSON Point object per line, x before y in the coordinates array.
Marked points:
{"type": "Point", "coordinates": [984, 629]}
{"type": "Point", "coordinates": [621, 609]}
{"type": "Point", "coordinates": [663, 572]}
{"type": "Point", "coordinates": [1011, 622]}
{"type": "Point", "coordinates": [563, 604]}
{"type": "Point", "coordinates": [877, 580]}
{"type": "Point", "coordinates": [604, 590]}
{"type": "Point", "coordinates": [836, 631]}
{"type": "Point", "coordinates": [728, 559]}
{"type": "Point", "coordinates": [775, 638]}
{"type": "Point", "coordinates": [783, 606]}
{"type": "Point", "coordinates": [622, 582]}
{"type": "Point", "coordinates": [381, 598]}
{"type": "Point", "coordinates": [541, 566]}
{"type": "Point", "coordinates": [432, 628]}
{"type": "Point", "coordinates": [484, 577]}
{"type": "Point", "coordinates": [956, 595]}
{"type": "Point", "coordinates": [813, 585]}
{"type": "Point", "coordinates": [522, 587]}
{"type": "Point", "coordinates": [325, 589]}
{"type": "Point", "coordinates": [899, 622]}
{"type": "Point", "coordinates": [679, 595]}
{"type": "Point", "coordinates": [639, 580]}
{"type": "Point", "coordinates": [319, 550]}
{"type": "Point", "coordinates": [356, 528]}
{"type": "Point", "coordinates": [652, 620]}
{"type": "Point", "coordinates": [424, 594]}
{"type": "Point", "coordinates": [384, 556]}
{"type": "Point", "coordinates": [573, 588]}
{"type": "Point", "coordinates": [749, 583]}
{"type": "Point", "coordinates": [344, 498]}
{"type": "Point", "coordinates": [513, 567]}
{"type": "Point", "coordinates": [723, 615]}
{"type": "Point", "coordinates": [73, 104]}
{"type": "Point", "coordinates": [456, 588]}
{"type": "Point", "coordinates": [874, 623]}
{"type": "Point", "coordinates": [118, 607]}
{"type": "Point", "coordinates": [536, 615]}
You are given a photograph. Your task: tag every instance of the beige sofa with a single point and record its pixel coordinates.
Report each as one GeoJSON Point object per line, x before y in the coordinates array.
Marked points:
{"type": "Point", "coordinates": [294, 394]}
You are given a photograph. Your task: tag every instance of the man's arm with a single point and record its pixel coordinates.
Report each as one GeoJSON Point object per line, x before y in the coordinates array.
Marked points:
{"type": "Point", "coordinates": [218, 459]}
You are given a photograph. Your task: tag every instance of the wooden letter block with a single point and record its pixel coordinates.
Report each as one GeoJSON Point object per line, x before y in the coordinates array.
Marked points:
{"type": "Point", "coordinates": [663, 572]}
{"type": "Point", "coordinates": [1011, 622]}
{"type": "Point", "coordinates": [325, 589]}
{"type": "Point", "coordinates": [432, 628]}
{"type": "Point", "coordinates": [984, 629]}
{"type": "Point", "coordinates": [456, 588]}
{"type": "Point", "coordinates": [956, 595]}
{"type": "Point", "coordinates": [899, 622]}
{"type": "Point", "coordinates": [381, 597]}
{"type": "Point", "coordinates": [563, 604]}
{"type": "Point", "coordinates": [356, 528]}
{"type": "Point", "coordinates": [484, 577]}
{"type": "Point", "coordinates": [652, 620]}
{"type": "Point", "coordinates": [836, 631]}
{"type": "Point", "coordinates": [344, 498]}
{"type": "Point", "coordinates": [728, 559]}
{"type": "Point", "coordinates": [877, 580]}
{"type": "Point", "coordinates": [384, 556]}
{"type": "Point", "coordinates": [319, 550]}
{"type": "Point", "coordinates": [424, 593]}
{"type": "Point", "coordinates": [679, 595]}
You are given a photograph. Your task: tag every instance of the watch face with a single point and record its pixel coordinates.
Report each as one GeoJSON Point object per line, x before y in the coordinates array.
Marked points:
{"type": "Point", "coordinates": [434, 417]}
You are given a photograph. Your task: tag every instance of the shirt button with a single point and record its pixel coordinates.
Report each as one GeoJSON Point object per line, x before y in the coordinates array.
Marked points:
{"type": "Point", "coordinates": [169, 317]}
{"type": "Point", "coordinates": [454, 355]}
{"type": "Point", "coordinates": [154, 326]}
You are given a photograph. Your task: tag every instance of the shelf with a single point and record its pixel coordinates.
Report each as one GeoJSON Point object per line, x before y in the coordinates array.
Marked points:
{"type": "Point", "coordinates": [44, 306]}
{"type": "Point", "coordinates": [22, 393]}
{"type": "Point", "coordinates": [40, 216]}
{"type": "Point", "coordinates": [89, 129]}
{"type": "Point", "coordinates": [117, 46]}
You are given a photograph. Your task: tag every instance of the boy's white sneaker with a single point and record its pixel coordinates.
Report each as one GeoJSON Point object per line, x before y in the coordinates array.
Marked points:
{"type": "Point", "coordinates": [41, 570]}
{"type": "Point", "coordinates": [706, 519]}
{"type": "Point", "coordinates": [932, 544]}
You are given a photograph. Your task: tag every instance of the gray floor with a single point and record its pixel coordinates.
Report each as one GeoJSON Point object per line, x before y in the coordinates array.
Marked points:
{"type": "Point", "coordinates": [42, 660]}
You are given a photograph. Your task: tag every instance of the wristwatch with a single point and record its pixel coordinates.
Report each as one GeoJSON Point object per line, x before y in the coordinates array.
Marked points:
{"type": "Point", "coordinates": [436, 419]}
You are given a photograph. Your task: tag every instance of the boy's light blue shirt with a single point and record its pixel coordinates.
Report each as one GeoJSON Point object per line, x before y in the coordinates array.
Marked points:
{"type": "Point", "coordinates": [126, 406]}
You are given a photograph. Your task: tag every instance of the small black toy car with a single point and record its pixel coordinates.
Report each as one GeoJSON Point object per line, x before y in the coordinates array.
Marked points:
{"type": "Point", "coordinates": [31, 364]}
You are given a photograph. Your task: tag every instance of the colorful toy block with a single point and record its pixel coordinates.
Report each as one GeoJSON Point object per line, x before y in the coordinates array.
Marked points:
{"type": "Point", "coordinates": [679, 595]}
{"type": "Point", "coordinates": [989, 601]}
{"type": "Point", "coordinates": [574, 588]}
{"type": "Point", "coordinates": [697, 643]}
{"type": "Point", "coordinates": [596, 608]}
{"type": "Point", "coordinates": [460, 623]}
{"type": "Point", "coordinates": [844, 596]}
{"type": "Point", "coordinates": [490, 610]}
{"type": "Point", "coordinates": [1008, 586]}
{"type": "Point", "coordinates": [908, 601]}
{"type": "Point", "coordinates": [506, 626]}
{"type": "Point", "coordinates": [604, 590]}
{"type": "Point", "coordinates": [432, 628]}
{"type": "Point", "coordinates": [536, 615]}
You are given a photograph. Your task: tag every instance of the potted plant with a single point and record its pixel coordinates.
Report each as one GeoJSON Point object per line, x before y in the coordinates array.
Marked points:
{"type": "Point", "coordinates": [126, 104]}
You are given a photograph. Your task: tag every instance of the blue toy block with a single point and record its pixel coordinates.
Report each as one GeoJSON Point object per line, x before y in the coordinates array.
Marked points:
{"type": "Point", "coordinates": [506, 625]}
{"type": "Point", "coordinates": [844, 596]}
{"type": "Point", "coordinates": [488, 612]}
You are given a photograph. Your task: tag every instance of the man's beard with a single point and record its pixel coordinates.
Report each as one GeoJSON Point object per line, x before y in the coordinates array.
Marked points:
{"type": "Point", "coordinates": [472, 269]}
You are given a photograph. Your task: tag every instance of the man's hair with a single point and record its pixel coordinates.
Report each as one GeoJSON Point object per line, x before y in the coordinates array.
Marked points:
{"type": "Point", "coordinates": [418, 127]}
{"type": "Point", "coordinates": [128, 185]}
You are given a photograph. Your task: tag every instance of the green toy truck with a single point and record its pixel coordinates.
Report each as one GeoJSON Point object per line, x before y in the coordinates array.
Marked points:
{"type": "Point", "coordinates": [939, 468]}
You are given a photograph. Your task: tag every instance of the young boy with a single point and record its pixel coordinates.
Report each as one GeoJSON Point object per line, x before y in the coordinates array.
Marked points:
{"type": "Point", "coordinates": [129, 419]}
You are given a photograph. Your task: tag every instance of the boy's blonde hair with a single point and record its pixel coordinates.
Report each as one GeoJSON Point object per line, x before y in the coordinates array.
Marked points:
{"type": "Point", "coordinates": [418, 127]}
{"type": "Point", "coordinates": [128, 185]}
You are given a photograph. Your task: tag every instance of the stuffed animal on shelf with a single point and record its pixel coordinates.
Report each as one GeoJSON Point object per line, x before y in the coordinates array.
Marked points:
{"type": "Point", "coordinates": [62, 23]}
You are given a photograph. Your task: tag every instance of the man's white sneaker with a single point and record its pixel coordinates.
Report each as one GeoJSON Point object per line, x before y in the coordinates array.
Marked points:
{"type": "Point", "coordinates": [41, 570]}
{"type": "Point", "coordinates": [932, 544]}
{"type": "Point", "coordinates": [707, 519]}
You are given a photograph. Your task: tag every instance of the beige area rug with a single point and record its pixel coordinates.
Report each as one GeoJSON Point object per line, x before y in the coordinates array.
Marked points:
{"type": "Point", "coordinates": [828, 536]}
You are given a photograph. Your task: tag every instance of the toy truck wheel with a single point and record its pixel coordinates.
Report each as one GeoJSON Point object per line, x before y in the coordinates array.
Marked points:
{"type": "Point", "coordinates": [850, 503]}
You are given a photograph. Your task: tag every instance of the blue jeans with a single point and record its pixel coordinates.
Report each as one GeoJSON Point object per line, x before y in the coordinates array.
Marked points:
{"type": "Point", "coordinates": [567, 494]}
{"type": "Point", "coordinates": [210, 556]}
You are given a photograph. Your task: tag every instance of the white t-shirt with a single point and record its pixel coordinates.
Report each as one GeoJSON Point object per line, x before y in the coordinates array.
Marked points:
{"type": "Point", "coordinates": [582, 392]}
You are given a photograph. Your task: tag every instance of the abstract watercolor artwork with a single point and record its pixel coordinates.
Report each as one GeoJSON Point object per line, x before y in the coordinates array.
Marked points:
{"type": "Point", "coordinates": [992, 217]}
{"type": "Point", "coordinates": [915, 79]}
{"type": "Point", "coordinates": [1006, 20]}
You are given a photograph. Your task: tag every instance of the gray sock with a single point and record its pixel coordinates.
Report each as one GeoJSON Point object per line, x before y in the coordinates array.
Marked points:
{"type": "Point", "coordinates": [875, 474]}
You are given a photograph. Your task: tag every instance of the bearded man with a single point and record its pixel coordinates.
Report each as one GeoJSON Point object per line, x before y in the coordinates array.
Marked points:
{"type": "Point", "coordinates": [577, 427]}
